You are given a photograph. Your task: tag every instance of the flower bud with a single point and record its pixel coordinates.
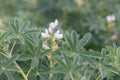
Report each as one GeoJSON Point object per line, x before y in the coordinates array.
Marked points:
{"type": "Point", "coordinates": [45, 45]}
{"type": "Point", "coordinates": [52, 25]}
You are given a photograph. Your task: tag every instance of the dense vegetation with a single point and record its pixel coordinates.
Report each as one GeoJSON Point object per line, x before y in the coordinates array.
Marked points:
{"type": "Point", "coordinates": [83, 44]}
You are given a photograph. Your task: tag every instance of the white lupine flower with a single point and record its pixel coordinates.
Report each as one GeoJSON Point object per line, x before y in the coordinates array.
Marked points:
{"type": "Point", "coordinates": [57, 35]}
{"type": "Point", "coordinates": [46, 34]}
{"type": "Point", "coordinates": [52, 25]}
{"type": "Point", "coordinates": [110, 18]}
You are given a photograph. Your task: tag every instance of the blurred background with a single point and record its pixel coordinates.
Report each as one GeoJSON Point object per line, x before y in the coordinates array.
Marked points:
{"type": "Point", "coordinates": [100, 17]}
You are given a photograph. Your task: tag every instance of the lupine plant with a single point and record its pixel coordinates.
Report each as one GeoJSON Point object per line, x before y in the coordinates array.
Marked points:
{"type": "Point", "coordinates": [32, 53]}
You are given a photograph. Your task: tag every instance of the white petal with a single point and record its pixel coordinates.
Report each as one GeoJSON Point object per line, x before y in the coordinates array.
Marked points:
{"type": "Point", "coordinates": [43, 35]}
{"type": "Point", "coordinates": [46, 32]}
{"type": "Point", "coordinates": [57, 35]}
{"type": "Point", "coordinates": [60, 36]}
{"type": "Point", "coordinates": [110, 18]}
{"type": "Point", "coordinates": [113, 18]}
{"type": "Point", "coordinates": [53, 24]}
{"type": "Point", "coordinates": [56, 22]}
{"type": "Point", "coordinates": [50, 29]}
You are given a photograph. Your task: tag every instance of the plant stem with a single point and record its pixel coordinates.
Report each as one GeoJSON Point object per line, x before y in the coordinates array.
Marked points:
{"type": "Point", "coordinates": [51, 65]}
{"type": "Point", "coordinates": [71, 76]}
{"type": "Point", "coordinates": [21, 71]}
{"type": "Point", "coordinates": [28, 72]}
{"type": "Point", "coordinates": [10, 55]}
{"type": "Point", "coordinates": [16, 64]}
{"type": "Point", "coordinates": [4, 54]}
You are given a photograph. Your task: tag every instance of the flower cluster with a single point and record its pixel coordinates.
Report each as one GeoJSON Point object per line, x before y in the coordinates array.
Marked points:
{"type": "Point", "coordinates": [49, 33]}
{"type": "Point", "coordinates": [110, 18]}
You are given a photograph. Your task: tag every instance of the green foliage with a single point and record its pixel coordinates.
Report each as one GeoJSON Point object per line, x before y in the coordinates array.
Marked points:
{"type": "Point", "coordinates": [22, 56]}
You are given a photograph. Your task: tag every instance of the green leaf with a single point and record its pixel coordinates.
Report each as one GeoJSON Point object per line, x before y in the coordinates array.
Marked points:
{"type": "Point", "coordinates": [24, 57]}
{"type": "Point", "coordinates": [14, 27]}
{"type": "Point", "coordinates": [39, 46]}
{"type": "Point", "coordinates": [62, 64]}
{"type": "Point", "coordinates": [42, 54]}
{"type": "Point", "coordinates": [66, 60]}
{"type": "Point", "coordinates": [25, 26]}
{"type": "Point", "coordinates": [103, 72]}
{"type": "Point", "coordinates": [84, 41]}
{"type": "Point", "coordinates": [34, 63]}
{"type": "Point", "coordinates": [93, 54]}
{"type": "Point", "coordinates": [9, 75]}
{"type": "Point", "coordinates": [17, 23]}
{"type": "Point", "coordinates": [30, 31]}
{"type": "Point", "coordinates": [89, 60]}
{"type": "Point", "coordinates": [57, 70]}
{"type": "Point", "coordinates": [69, 42]}
{"type": "Point", "coordinates": [74, 38]}
{"type": "Point", "coordinates": [22, 40]}
{"type": "Point", "coordinates": [112, 69]}
{"type": "Point", "coordinates": [75, 62]}
{"type": "Point", "coordinates": [3, 35]}
{"type": "Point", "coordinates": [12, 59]}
